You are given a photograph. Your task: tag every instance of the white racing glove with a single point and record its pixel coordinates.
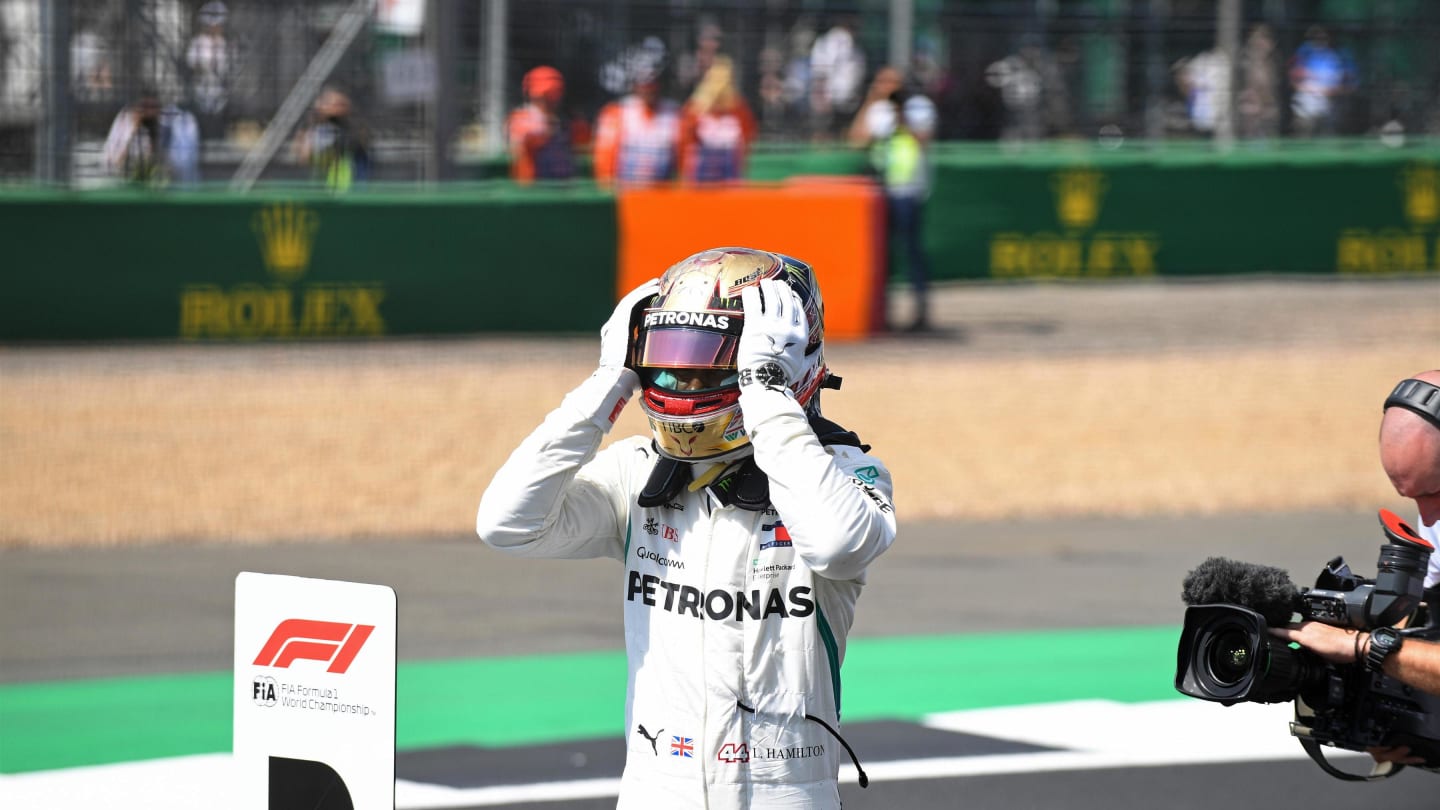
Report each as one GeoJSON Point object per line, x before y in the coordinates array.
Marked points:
{"type": "Point", "coordinates": [601, 397]}
{"type": "Point", "coordinates": [771, 353]}
{"type": "Point", "coordinates": [615, 334]}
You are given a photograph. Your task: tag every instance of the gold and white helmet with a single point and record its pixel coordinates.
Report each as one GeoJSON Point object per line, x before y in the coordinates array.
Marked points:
{"type": "Point", "coordinates": [685, 347]}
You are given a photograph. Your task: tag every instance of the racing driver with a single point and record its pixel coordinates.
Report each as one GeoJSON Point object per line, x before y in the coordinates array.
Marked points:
{"type": "Point", "coordinates": [745, 522]}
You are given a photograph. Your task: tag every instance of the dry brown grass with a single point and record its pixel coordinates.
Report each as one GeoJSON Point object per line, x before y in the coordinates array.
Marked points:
{"type": "Point", "coordinates": [91, 455]}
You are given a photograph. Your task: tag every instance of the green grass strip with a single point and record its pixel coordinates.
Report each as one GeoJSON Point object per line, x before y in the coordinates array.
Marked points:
{"type": "Point", "coordinates": [541, 699]}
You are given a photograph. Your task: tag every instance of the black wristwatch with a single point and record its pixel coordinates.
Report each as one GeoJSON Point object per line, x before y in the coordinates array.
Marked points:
{"type": "Point", "coordinates": [768, 374]}
{"type": "Point", "coordinates": [1383, 642]}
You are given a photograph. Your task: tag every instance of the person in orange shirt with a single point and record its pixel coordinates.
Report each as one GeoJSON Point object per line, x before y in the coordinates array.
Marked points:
{"type": "Point", "coordinates": [539, 142]}
{"type": "Point", "coordinates": [637, 136]}
{"type": "Point", "coordinates": [716, 128]}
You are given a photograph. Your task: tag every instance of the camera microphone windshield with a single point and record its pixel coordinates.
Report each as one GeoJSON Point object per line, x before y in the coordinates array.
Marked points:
{"type": "Point", "coordinates": [1262, 588]}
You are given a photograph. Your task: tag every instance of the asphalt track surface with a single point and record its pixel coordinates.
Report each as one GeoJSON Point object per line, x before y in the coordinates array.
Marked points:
{"type": "Point", "coordinates": [168, 609]}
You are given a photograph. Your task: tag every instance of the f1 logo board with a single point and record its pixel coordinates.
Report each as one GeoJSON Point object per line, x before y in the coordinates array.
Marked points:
{"type": "Point", "coordinates": [314, 693]}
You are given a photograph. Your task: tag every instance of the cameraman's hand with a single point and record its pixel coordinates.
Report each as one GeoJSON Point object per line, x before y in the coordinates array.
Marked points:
{"type": "Point", "coordinates": [1338, 645]}
{"type": "Point", "coordinates": [1399, 754]}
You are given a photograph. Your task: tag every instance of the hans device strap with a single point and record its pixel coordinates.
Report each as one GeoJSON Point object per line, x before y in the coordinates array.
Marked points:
{"type": "Point", "coordinates": [746, 486]}
{"type": "Point", "coordinates": [667, 478]}
{"type": "Point", "coordinates": [1418, 396]}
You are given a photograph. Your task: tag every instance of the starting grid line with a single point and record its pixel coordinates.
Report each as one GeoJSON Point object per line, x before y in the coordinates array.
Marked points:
{"type": "Point", "coordinates": [1095, 735]}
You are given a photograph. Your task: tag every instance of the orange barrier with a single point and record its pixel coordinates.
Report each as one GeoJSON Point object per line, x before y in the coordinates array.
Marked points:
{"type": "Point", "coordinates": [835, 224]}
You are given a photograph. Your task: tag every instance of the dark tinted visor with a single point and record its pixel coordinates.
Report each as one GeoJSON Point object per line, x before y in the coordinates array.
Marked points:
{"type": "Point", "coordinates": [686, 348]}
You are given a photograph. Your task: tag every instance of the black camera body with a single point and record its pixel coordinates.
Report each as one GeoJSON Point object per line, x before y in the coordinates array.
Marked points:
{"type": "Point", "coordinates": [1227, 654]}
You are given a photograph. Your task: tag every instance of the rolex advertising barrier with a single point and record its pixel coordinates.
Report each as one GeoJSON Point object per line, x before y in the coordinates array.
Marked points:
{"type": "Point", "coordinates": [211, 266]}
{"type": "Point", "coordinates": [1096, 215]}
{"type": "Point", "coordinates": [218, 267]}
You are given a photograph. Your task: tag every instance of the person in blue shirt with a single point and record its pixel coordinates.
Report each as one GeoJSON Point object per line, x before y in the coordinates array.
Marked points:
{"type": "Point", "coordinates": [1320, 76]}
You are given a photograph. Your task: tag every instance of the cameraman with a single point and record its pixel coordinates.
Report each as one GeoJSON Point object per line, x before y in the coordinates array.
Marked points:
{"type": "Point", "coordinates": [1410, 454]}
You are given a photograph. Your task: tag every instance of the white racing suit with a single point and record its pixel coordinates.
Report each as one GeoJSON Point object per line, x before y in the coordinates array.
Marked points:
{"type": "Point", "coordinates": [726, 610]}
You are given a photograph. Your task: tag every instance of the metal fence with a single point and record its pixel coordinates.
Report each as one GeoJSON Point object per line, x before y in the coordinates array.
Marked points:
{"type": "Point", "coordinates": [430, 80]}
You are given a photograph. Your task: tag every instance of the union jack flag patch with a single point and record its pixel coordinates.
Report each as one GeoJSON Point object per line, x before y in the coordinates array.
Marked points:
{"type": "Point", "coordinates": [682, 747]}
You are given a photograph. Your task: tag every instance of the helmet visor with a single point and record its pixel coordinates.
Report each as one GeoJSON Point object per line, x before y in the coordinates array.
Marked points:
{"type": "Point", "coordinates": [686, 348]}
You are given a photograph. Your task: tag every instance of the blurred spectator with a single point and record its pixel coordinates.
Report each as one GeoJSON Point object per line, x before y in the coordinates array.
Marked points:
{"type": "Point", "coordinates": [796, 73]}
{"type": "Point", "coordinates": [539, 140]}
{"type": "Point", "coordinates": [1204, 82]}
{"type": "Point", "coordinates": [153, 144]}
{"type": "Point", "coordinates": [837, 69]}
{"type": "Point", "coordinates": [691, 67]}
{"type": "Point", "coordinates": [334, 144]}
{"type": "Point", "coordinates": [716, 128]}
{"type": "Point", "coordinates": [1023, 79]}
{"type": "Point", "coordinates": [208, 58]}
{"type": "Point", "coordinates": [637, 137]}
{"type": "Point", "coordinates": [774, 113]}
{"type": "Point", "coordinates": [1320, 76]}
{"type": "Point", "coordinates": [898, 127]}
{"type": "Point", "coordinates": [1258, 105]}
{"type": "Point", "coordinates": [91, 76]}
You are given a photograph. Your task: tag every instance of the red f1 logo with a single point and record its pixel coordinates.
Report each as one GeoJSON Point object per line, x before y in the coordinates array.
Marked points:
{"type": "Point", "coordinates": [314, 641]}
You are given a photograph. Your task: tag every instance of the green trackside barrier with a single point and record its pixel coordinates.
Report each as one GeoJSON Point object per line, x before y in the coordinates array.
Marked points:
{"type": "Point", "coordinates": [1087, 212]}
{"type": "Point", "coordinates": [296, 263]}
{"type": "Point", "coordinates": [277, 264]}
{"type": "Point", "coordinates": [1082, 210]}
{"type": "Point", "coordinates": [1070, 210]}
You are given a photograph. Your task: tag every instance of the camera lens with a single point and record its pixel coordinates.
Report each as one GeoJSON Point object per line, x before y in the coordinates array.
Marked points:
{"type": "Point", "coordinates": [1228, 658]}
{"type": "Point", "coordinates": [1227, 655]}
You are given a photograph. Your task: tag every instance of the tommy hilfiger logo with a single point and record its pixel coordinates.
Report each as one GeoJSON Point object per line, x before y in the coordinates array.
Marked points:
{"type": "Point", "coordinates": [779, 536]}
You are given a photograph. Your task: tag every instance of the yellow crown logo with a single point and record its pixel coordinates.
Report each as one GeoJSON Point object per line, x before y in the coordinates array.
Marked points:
{"type": "Point", "coordinates": [1422, 193]}
{"type": "Point", "coordinates": [1077, 197]}
{"type": "Point", "coordinates": [286, 232]}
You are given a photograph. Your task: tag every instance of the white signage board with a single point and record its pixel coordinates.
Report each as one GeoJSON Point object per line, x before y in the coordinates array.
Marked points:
{"type": "Point", "coordinates": [407, 76]}
{"type": "Point", "coordinates": [404, 17]}
{"type": "Point", "coordinates": [314, 692]}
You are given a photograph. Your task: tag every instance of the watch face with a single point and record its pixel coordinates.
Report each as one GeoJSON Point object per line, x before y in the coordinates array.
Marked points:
{"type": "Point", "coordinates": [769, 375]}
{"type": "Point", "coordinates": [1383, 641]}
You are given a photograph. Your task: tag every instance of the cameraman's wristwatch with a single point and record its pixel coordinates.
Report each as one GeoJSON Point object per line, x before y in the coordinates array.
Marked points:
{"type": "Point", "coordinates": [1383, 642]}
